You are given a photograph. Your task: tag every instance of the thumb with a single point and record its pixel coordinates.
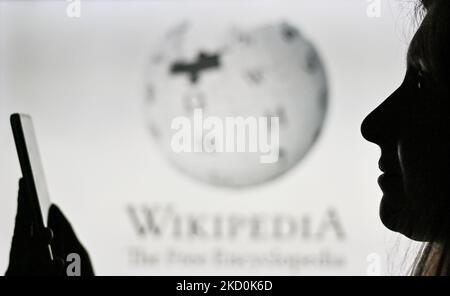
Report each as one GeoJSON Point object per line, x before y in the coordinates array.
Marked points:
{"type": "Point", "coordinates": [65, 240]}
{"type": "Point", "coordinates": [24, 216]}
{"type": "Point", "coordinates": [20, 246]}
{"type": "Point", "coordinates": [64, 235]}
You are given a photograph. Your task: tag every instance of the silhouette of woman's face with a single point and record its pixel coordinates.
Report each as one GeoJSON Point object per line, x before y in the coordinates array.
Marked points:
{"type": "Point", "coordinates": [412, 128]}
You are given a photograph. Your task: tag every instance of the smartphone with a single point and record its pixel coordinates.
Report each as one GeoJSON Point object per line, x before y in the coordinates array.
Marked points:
{"type": "Point", "coordinates": [32, 170]}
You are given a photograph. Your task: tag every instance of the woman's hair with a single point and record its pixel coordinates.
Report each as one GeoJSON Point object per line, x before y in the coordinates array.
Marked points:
{"type": "Point", "coordinates": [433, 42]}
{"type": "Point", "coordinates": [434, 45]}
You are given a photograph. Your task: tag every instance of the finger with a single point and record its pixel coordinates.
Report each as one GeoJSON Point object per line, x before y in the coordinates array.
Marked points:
{"type": "Point", "coordinates": [60, 225]}
{"type": "Point", "coordinates": [22, 228]}
{"type": "Point", "coordinates": [24, 215]}
{"type": "Point", "coordinates": [65, 240]}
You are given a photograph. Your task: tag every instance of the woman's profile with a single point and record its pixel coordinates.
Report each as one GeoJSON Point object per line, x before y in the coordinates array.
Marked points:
{"type": "Point", "coordinates": [412, 128]}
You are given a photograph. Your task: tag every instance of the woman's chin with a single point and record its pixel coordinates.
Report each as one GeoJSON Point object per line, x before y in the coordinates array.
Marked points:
{"type": "Point", "coordinates": [391, 215]}
{"type": "Point", "coordinates": [398, 218]}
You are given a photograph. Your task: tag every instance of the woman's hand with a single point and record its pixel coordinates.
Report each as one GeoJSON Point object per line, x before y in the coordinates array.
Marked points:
{"type": "Point", "coordinates": [29, 249]}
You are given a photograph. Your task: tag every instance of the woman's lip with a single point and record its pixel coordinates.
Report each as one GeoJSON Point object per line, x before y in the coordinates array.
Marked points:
{"type": "Point", "coordinates": [388, 165]}
{"type": "Point", "coordinates": [389, 181]}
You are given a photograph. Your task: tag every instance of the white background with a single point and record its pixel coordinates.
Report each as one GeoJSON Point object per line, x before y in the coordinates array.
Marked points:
{"type": "Point", "coordinates": [82, 81]}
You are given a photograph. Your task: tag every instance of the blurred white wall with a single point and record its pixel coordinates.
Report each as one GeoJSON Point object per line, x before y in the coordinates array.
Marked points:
{"type": "Point", "coordinates": [82, 81]}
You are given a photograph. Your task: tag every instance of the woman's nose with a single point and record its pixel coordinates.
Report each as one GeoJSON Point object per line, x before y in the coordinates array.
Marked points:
{"type": "Point", "coordinates": [383, 122]}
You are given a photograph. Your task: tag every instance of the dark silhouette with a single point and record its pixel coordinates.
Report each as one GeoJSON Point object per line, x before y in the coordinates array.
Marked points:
{"type": "Point", "coordinates": [28, 249]}
{"type": "Point", "coordinates": [412, 128]}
